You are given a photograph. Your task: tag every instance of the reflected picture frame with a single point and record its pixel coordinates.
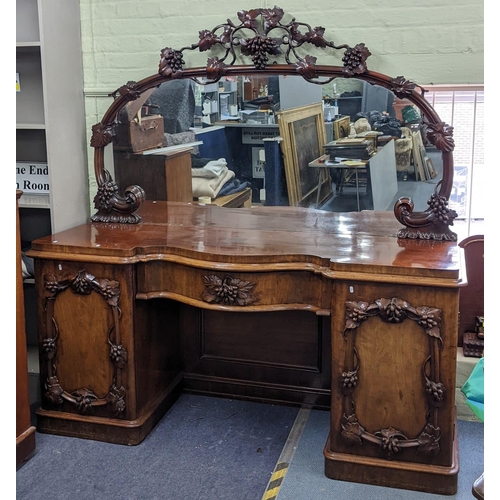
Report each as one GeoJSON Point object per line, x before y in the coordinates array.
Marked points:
{"type": "Point", "coordinates": [304, 137]}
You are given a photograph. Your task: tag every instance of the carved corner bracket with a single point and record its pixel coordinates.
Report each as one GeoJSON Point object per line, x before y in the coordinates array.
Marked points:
{"type": "Point", "coordinates": [392, 441]}
{"type": "Point", "coordinates": [228, 291]}
{"type": "Point", "coordinates": [83, 283]}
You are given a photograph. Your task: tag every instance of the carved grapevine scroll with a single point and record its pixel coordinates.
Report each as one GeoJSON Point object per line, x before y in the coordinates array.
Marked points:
{"type": "Point", "coordinates": [267, 39]}
{"type": "Point", "coordinates": [228, 291]}
{"type": "Point", "coordinates": [390, 440]}
{"type": "Point", "coordinates": [84, 283]}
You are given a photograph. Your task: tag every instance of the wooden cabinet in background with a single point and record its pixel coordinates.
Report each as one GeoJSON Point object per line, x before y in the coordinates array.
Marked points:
{"type": "Point", "coordinates": [25, 432]}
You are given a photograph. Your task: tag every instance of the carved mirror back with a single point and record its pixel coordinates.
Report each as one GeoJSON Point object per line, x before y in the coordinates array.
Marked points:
{"type": "Point", "coordinates": [275, 46]}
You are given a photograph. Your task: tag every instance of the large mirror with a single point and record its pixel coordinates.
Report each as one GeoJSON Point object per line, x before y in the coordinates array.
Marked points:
{"type": "Point", "coordinates": [227, 116]}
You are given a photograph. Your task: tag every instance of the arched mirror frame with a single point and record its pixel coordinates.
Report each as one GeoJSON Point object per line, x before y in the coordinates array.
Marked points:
{"type": "Point", "coordinates": [263, 35]}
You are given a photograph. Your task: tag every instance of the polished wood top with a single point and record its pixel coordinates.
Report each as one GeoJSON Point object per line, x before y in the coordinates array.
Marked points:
{"type": "Point", "coordinates": [290, 237]}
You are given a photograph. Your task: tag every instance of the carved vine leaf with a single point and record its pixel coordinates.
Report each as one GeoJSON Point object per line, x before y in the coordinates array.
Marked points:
{"type": "Point", "coordinates": [429, 318]}
{"type": "Point", "coordinates": [351, 430]}
{"type": "Point", "coordinates": [441, 135]}
{"type": "Point", "coordinates": [356, 312]}
{"type": "Point", "coordinates": [102, 135]}
{"type": "Point", "coordinates": [355, 60]}
{"type": "Point", "coordinates": [390, 440]}
{"type": "Point", "coordinates": [171, 63]}
{"type": "Point", "coordinates": [207, 40]}
{"type": "Point", "coordinates": [84, 399]}
{"type": "Point", "coordinates": [428, 440]}
{"type": "Point", "coordinates": [402, 87]}
{"type": "Point", "coordinates": [53, 390]}
{"type": "Point", "coordinates": [228, 291]}
{"type": "Point", "coordinates": [272, 17]}
{"type": "Point", "coordinates": [315, 36]}
{"type": "Point", "coordinates": [249, 18]}
{"type": "Point", "coordinates": [215, 68]}
{"type": "Point", "coordinates": [116, 397]}
{"type": "Point", "coordinates": [307, 67]}
{"type": "Point", "coordinates": [129, 90]}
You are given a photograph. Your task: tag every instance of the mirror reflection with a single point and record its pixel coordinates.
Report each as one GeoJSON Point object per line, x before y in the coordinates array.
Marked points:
{"type": "Point", "coordinates": [221, 143]}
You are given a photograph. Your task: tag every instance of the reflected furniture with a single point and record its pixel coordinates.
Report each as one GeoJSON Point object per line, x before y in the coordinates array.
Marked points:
{"type": "Point", "coordinates": [25, 432]}
{"type": "Point", "coordinates": [356, 313]}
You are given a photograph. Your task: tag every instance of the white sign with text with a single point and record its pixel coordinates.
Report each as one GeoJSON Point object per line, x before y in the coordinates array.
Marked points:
{"type": "Point", "coordinates": [32, 177]}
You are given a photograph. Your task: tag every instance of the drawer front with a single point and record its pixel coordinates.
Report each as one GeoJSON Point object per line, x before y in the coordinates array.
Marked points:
{"type": "Point", "coordinates": [220, 289]}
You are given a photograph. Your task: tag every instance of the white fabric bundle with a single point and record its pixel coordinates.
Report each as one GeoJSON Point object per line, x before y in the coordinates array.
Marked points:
{"type": "Point", "coordinates": [208, 181]}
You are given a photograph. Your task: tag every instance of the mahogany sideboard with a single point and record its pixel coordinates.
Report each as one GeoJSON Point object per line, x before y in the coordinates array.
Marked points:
{"type": "Point", "coordinates": [273, 304]}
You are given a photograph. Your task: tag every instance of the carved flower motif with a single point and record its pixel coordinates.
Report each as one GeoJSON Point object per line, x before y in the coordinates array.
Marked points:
{"type": "Point", "coordinates": [402, 87]}
{"type": "Point", "coordinates": [307, 67]}
{"type": "Point", "coordinates": [171, 63]}
{"type": "Point", "coordinates": [258, 47]}
{"type": "Point", "coordinates": [207, 40]}
{"type": "Point", "coordinates": [355, 60]}
{"type": "Point", "coordinates": [102, 135]}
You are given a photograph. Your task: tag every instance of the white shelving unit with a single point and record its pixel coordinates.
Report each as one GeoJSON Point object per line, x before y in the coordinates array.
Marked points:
{"type": "Point", "coordinates": [50, 116]}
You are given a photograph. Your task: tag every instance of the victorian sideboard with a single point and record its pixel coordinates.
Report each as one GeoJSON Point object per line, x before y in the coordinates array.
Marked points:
{"type": "Point", "coordinates": [284, 305]}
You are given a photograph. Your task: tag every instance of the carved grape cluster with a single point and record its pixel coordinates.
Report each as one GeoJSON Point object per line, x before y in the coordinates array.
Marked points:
{"type": "Point", "coordinates": [84, 399]}
{"type": "Point", "coordinates": [439, 207]}
{"type": "Point", "coordinates": [354, 59]}
{"type": "Point", "coordinates": [391, 444]}
{"type": "Point", "coordinates": [394, 312]}
{"type": "Point", "coordinates": [435, 390]}
{"type": "Point", "coordinates": [104, 196]}
{"type": "Point", "coordinates": [427, 321]}
{"type": "Point", "coordinates": [349, 379]}
{"type": "Point", "coordinates": [258, 47]}
{"type": "Point", "coordinates": [49, 347]}
{"type": "Point", "coordinates": [171, 62]}
{"type": "Point", "coordinates": [117, 353]}
{"type": "Point", "coordinates": [226, 293]}
{"type": "Point", "coordinates": [81, 284]}
{"type": "Point", "coordinates": [357, 315]}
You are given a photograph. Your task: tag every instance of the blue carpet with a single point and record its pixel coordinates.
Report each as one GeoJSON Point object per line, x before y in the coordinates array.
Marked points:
{"type": "Point", "coordinates": [203, 449]}
{"type": "Point", "coordinates": [306, 480]}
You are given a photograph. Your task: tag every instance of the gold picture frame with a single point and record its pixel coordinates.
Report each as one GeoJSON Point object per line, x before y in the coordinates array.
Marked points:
{"type": "Point", "coordinates": [341, 127]}
{"type": "Point", "coordinates": [304, 137]}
